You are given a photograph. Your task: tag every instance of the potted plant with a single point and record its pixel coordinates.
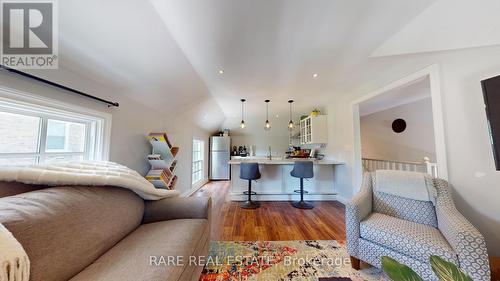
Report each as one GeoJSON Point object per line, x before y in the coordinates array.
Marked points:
{"type": "Point", "coordinates": [444, 270]}
{"type": "Point", "coordinates": [315, 112]}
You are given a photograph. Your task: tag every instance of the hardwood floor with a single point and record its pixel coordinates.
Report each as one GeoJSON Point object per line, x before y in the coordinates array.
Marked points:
{"type": "Point", "coordinates": [273, 220]}
{"type": "Point", "coordinates": [495, 268]}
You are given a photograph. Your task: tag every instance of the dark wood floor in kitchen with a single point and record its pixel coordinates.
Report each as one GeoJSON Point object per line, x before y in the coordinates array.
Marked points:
{"type": "Point", "coordinates": [273, 220]}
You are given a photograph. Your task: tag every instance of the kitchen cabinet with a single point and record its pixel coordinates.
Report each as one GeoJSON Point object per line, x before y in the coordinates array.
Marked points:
{"type": "Point", "coordinates": [314, 130]}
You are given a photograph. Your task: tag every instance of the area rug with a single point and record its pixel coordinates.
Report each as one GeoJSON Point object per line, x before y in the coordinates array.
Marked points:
{"type": "Point", "coordinates": [310, 260]}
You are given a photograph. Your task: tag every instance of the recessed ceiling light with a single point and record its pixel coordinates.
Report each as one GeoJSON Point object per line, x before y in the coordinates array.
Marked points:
{"type": "Point", "coordinates": [277, 116]}
{"type": "Point", "coordinates": [315, 75]}
{"type": "Point", "coordinates": [221, 71]}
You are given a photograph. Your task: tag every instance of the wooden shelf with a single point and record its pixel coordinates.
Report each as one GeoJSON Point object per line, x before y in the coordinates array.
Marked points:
{"type": "Point", "coordinates": [173, 166]}
{"type": "Point", "coordinates": [174, 151]}
{"type": "Point", "coordinates": [171, 185]}
{"type": "Point", "coordinates": [160, 136]}
{"type": "Point", "coordinates": [162, 161]}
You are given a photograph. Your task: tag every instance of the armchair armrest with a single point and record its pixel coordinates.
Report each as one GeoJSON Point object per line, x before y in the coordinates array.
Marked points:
{"type": "Point", "coordinates": [177, 208]}
{"type": "Point", "coordinates": [463, 237]}
{"type": "Point", "coordinates": [356, 210]}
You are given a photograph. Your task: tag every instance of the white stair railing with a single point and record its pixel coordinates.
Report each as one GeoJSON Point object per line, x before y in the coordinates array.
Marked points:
{"type": "Point", "coordinates": [432, 168]}
{"type": "Point", "coordinates": [371, 165]}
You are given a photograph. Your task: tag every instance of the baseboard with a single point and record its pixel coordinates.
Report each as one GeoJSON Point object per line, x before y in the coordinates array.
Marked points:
{"type": "Point", "coordinates": [342, 199]}
{"type": "Point", "coordinates": [195, 188]}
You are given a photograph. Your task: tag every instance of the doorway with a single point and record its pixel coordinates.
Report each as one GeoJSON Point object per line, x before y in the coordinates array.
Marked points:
{"type": "Point", "coordinates": [400, 127]}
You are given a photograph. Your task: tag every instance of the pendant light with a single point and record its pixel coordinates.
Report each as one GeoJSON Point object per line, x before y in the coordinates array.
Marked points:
{"type": "Point", "coordinates": [242, 124]}
{"type": "Point", "coordinates": [290, 124]}
{"type": "Point", "coordinates": [267, 126]}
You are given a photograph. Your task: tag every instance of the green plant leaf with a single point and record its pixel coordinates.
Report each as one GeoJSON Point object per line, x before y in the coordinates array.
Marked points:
{"type": "Point", "coordinates": [447, 271]}
{"type": "Point", "coordinates": [397, 271]}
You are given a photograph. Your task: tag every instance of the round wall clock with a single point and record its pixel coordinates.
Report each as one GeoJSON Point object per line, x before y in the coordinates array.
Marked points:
{"type": "Point", "coordinates": [399, 125]}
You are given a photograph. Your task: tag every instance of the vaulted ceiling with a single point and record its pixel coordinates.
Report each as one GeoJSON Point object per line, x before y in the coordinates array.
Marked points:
{"type": "Point", "coordinates": [168, 53]}
{"type": "Point", "coordinates": [125, 44]}
{"type": "Point", "coordinates": [412, 92]}
{"type": "Point", "coordinates": [272, 49]}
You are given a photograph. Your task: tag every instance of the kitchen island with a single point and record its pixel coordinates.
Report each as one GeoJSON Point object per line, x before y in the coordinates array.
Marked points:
{"type": "Point", "coordinates": [276, 184]}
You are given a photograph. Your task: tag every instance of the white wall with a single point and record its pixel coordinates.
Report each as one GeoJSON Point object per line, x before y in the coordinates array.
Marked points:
{"type": "Point", "coordinates": [279, 144]}
{"type": "Point", "coordinates": [132, 121]}
{"type": "Point", "coordinates": [254, 134]}
{"type": "Point", "coordinates": [379, 141]}
{"type": "Point", "coordinates": [197, 121]}
{"type": "Point", "coordinates": [471, 167]}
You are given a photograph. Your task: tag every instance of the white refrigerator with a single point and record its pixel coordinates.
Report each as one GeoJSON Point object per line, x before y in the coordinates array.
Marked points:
{"type": "Point", "coordinates": [220, 154]}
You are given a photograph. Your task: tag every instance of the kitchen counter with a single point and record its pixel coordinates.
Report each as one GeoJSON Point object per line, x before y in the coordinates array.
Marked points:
{"type": "Point", "coordinates": [283, 161]}
{"type": "Point", "coordinates": [276, 183]}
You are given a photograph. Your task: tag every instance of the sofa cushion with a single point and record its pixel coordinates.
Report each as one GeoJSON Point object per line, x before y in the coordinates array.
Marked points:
{"type": "Point", "coordinates": [9, 188]}
{"type": "Point", "coordinates": [130, 259]}
{"type": "Point", "coordinates": [65, 229]}
{"type": "Point", "coordinates": [419, 241]}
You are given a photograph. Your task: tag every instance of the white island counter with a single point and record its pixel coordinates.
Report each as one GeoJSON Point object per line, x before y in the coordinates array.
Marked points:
{"type": "Point", "coordinates": [276, 184]}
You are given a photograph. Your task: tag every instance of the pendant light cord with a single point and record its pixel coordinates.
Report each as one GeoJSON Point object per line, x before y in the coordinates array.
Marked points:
{"type": "Point", "coordinates": [267, 109]}
{"type": "Point", "coordinates": [243, 109]}
{"type": "Point", "coordinates": [290, 112]}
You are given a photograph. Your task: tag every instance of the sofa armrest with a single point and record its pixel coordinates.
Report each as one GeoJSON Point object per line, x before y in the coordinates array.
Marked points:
{"type": "Point", "coordinates": [463, 237]}
{"type": "Point", "coordinates": [356, 210]}
{"type": "Point", "coordinates": [177, 208]}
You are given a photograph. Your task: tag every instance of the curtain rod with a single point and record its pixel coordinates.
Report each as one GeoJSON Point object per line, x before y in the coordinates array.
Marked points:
{"type": "Point", "coordinates": [109, 103]}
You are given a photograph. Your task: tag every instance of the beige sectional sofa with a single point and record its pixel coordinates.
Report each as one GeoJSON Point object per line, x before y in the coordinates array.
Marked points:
{"type": "Point", "coordinates": [106, 233]}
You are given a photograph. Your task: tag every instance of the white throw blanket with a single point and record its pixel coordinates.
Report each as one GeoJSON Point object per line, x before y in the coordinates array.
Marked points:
{"type": "Point", "coordinates": [412, 185]}
{"type": "Point", "coordinates": [86, 173]}
{"type": "Point", "coordinates": [14, 262]}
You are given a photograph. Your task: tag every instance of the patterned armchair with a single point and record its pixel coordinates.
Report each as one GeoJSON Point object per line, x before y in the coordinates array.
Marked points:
{"type": "Point", "coordinates": [410, 231]}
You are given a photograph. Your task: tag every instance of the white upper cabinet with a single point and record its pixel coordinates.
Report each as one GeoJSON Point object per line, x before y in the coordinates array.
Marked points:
{"type": "Point", "coordinates": [314, 130]}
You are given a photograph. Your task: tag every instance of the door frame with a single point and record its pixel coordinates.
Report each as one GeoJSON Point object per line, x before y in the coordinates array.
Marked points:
{"type": "Point", "coordinates": [432, 72]}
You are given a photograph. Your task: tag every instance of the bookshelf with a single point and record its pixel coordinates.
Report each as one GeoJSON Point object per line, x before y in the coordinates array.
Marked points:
{"type": "Point", "coordinates": [162, 161]}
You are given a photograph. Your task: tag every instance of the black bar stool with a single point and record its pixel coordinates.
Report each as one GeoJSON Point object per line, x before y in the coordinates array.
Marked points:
{"type": "Point", "coordinates": [302, 170]}
{"type": "Point", "coordinates": [250, 172]}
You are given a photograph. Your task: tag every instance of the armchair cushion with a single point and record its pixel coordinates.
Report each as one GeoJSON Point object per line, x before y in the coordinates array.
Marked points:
{"type": "Point", "coordinates": [404, 208]}
{"type": "Point", "coordinates": [418, 241]}
{"type": "Point", "coordinates": [379, 224]}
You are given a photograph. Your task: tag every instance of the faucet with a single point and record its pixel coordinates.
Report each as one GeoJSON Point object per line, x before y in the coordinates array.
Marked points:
{"type": "Point", "coordinates": [270, 156]}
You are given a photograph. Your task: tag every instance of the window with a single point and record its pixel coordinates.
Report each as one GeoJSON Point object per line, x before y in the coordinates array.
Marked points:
{"type": "Point", "coordinates": [197, 160]}
{"type": "Point", "coordinates": [31, 133]}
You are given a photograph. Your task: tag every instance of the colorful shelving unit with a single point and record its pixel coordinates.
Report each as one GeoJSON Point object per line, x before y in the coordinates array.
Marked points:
{"type": "Point", "coordinates": [162, 161]}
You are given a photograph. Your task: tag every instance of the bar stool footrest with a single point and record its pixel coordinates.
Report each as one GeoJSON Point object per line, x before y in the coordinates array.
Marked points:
{"type": "Point", "coordinates": [298, 191]}
{"type": "Point", "coordinates": [251, 193]}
